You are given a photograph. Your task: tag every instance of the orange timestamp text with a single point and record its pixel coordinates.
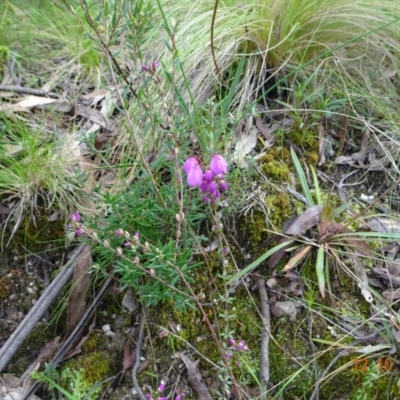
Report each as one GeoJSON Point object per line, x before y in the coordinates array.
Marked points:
{"type": "Point", "coordinates": [361, 364]}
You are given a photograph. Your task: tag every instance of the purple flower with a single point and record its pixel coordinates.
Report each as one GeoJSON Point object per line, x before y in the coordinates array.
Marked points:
{"type": "Point", "coordinates": [195, 176]}
{"type": "Point", "coordinates": [223, 186]}
{"type": "Point", "coordinates": [246, 348]}
{"type": "Point", "coordinates": [206, 199]}
{"type": "Point", "coordinates": [240, 346]}
{"type": "Point", "coordinates": [127, 244]}
{"type": "Point", "coordinates": [204, 186]}
{"type": "Point", "coordinates": [229, 355]}
{"type": "Point", "coordinates": [213, 187]}
{"type": "Point", "coordinates": [231, 341]}
{"type": "Point", "coordinates": [190, 163]}
{"type": "Point", "coordinates": [155, 64]}
{"type": "Point", "coordinates": [118, 232]}
{"type": "Point", "coordinates": [78, 231]}
{"type": "Point", "coordinates": [208, 176]}
{"type": "Point", "coordinates": [76, 217]}
{"type": "Point", "coordinates": [162, 386]}
{"type": "Point", "coordinates": [145, 67]}
{"type": "Point", "coordinates": [218, 165]}
{"type": "Point", "coordinates": [136, 236]}
{"type": "Point", "coordinates": [163, 398]}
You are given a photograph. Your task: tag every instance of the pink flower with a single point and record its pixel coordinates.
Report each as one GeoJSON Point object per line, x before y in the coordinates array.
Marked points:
{"type": "Point", "coordinates": [190, 163]}
{"type": "Point", "coordinates": [204, 186]}
{"type": "Point", "coordinates": [223, 186]}
{"type": "Point", "coordinates": [162, 386]}
{"type": "Point", "coordinates": [213, 187]}
{"type": "Point", "coordinates": [155, 64]}
{"type": "Point", "coordinates": [195, 176]}
{"type": "Point", "coordinates": [218, 165]}
{"type": "Point", "coordinates": [76, 217]}
{"type": "Point", "coordinates": [208, 175]}
{"type": "Point", "coordinates": [127, 244]}
{"type": "Point", "coordinates": [117, 232]}
{"type": "Point", "coordinates": [78, 231]}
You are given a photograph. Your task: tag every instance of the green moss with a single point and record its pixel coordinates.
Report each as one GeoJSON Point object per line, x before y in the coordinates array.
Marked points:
{"type": "Point", "coordinates": [80, 375]}
{"type": "Point", "coordinates": [276, 171]}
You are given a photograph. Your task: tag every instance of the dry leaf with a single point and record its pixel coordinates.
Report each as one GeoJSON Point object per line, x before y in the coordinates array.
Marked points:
{"type": "Point", "coordinates": [78, 348]}
{"type": "Point", "coordinates": [244, 145]}
{"type": "Point", "coordinates": [10, 388]}
{"type": "Point", "coordinates": [46, 353]}
{"type": "Point", "coordinates": [384, 225]}
{"type": "Point", "coordinates": [195, 379]}
{"type": "Point", "coordinates": [305, 221]}
{"type": "Point", "coordinates": [34, 101]}
{"type": "Point", "coordinates": [265, 131]}
{"type": "Point", "coordinates": [80, 283]}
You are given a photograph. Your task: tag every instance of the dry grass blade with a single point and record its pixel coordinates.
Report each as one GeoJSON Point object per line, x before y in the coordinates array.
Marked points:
{"type": "Point", "coordinates": [298, 256]}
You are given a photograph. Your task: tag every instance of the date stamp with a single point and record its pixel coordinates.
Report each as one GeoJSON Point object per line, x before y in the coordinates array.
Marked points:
{"type": "Point", "coordinates": [384, 364]}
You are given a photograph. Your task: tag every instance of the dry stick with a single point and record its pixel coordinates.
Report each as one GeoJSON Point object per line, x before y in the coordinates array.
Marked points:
{"type": "Point", "coordinates": [137, 359]}
{"type": "Point", "coordinates": [24, 90]}
{"type": "Point", "coordinates": [264, 364]}
{"type": "Point", "coordinates": [343, 353]}
{"type": "Point", "coordinates": [75, 333]}
{"type": "Point", "coordinates": [217, 70]}
{"type": "Point", "coordinates": [36, 313]}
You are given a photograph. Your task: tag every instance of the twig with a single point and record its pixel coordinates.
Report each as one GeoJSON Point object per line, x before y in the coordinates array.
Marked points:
{"type": "Point", "coordinates": [137, 360]}
{"type": "Point", "coordinates": [75, 333]}
{"type": "Point", "coordinates": [264, 373]}
{"type": "Point", "coordinates": [24, 90]}
{"type": "Point", "coordinates": [217, 70]}
{"type": "Point", "coordinates": [343, 353]}
{"type": "Point", "coordinates": [35, 314]}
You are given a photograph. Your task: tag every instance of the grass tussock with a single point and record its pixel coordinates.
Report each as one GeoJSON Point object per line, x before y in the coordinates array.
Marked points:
{"type": "Point", "coordinates": [317, 37]}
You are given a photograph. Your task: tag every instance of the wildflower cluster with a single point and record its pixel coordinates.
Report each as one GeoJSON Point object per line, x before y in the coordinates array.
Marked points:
{"type": "Point", "coordinates": [151, 68]}
{"type": "Point", "coordinates": [161, 388]}
{"type": "Point", "coordinates": [239, 347]}
{"type": "Point", "coordinates": [76, 224]}
{"type": "Point", "coordinates": [120, 232]}
{"type": "Point", "coordinates": [211, 181]}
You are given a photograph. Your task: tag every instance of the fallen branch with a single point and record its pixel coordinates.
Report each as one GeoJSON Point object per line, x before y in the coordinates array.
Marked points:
{"type": "Point", "coordinates": [264, 367]}
{"type": "Point", "coordinates": [137, 358]}
{"type": "Point", "coordinates": [76, 332]}
{"type": "Point", "coordinates": [24, 90]}
{"type": "Point", "coordinates": [38, 310]}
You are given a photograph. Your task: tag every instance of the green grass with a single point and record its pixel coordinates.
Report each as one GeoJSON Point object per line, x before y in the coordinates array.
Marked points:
{"type": "Point", "coordinates": [37, 173]}
{"type": "Point", "coordinates": [47, 42]}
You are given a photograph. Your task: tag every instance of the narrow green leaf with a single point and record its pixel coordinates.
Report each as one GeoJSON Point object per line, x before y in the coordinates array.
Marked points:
{"type": "Point", "coordinates": [259, 260]}
{"type": "Point", "coordinates": [320, 270]}
{"type": "Point", "coordinates": [302, 178]}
